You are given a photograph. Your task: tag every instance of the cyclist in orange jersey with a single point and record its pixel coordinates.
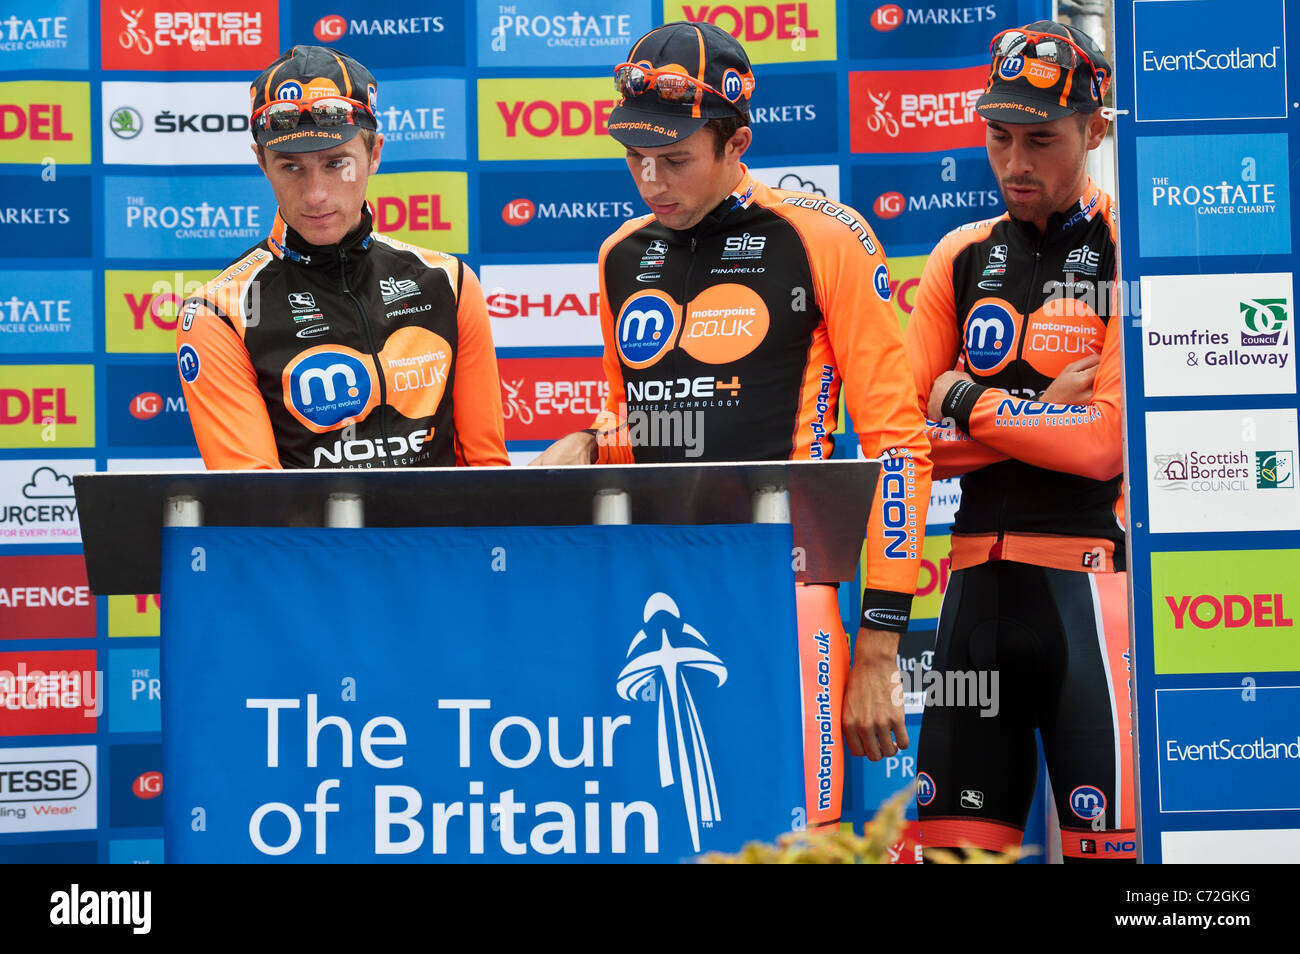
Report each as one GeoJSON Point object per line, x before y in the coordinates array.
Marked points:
{"type": "Point", "coordinates": [1036, 606]}
{"type": "Point", "coordinates": [328, 344]}
{"type": "Point", "coordinates": [736, 314]}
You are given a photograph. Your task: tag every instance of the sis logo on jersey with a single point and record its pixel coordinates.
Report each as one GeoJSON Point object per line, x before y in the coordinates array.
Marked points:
{"type": "Point", "coordinates": [990, 335]}
{"type": "Point", "coordinates": [645, 329]}
{"type": "Point", "coordinates": [328, 386]}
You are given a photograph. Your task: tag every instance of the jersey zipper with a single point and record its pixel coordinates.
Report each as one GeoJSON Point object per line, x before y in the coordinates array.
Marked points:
{"type": "Point", "coordinates": [374, 356]}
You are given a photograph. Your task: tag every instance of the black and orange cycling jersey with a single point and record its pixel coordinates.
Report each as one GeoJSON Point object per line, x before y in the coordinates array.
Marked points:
{"type": "Point", "coordinates": [1012, 308]}
{"type": "Point", "coordinates": [731, 341]}
{"type": "Point", "coordinates": [1037, 598]}
{"type": "Point", "coordinates": [369, 353]}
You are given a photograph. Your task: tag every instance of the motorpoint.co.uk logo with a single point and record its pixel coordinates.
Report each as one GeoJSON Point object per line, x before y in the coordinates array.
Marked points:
{"type": "Point", "coordinates": [927, 29]}
{"type": "Point", "coordinates": [1204, 60]}
{"type": "Point", "coordinates": [990, 336]}
{"type": "Point", "coordinates": [428, 209]}
{"type": "Point", "coordinates": [562, 118]}
{"type": "Point", "coordinates": [647, 327]}
{"type": "Point", "coordinates": [327, 386]}
{"type": "Point", "coordinates": [189, 34]}
{"type": "Point", "coordinates": [558, 32]}
{"type": "Point", "coordinates": [384, 31]}
{"type": "Point", "coordinates": [915, 110]}
{"type": "Point", "coordinates": [785, 31]}
{"type": "Point", "coordinates": [42, 121]}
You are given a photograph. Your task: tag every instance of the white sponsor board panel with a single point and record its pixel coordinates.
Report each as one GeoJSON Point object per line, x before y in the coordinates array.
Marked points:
{"type": "Point", "coordinates": [1222, 470]}
{"type": "Point", "coordinates": [818, 180]}
{"type": "Point", "coordinates": [176, 124]}
{"type": "Point", "coordinates": [37, 501]}
{"type": "Point", "coordinates": [1247, 846]}
{"type": "Point", "coordinates": [1218, 334]}
{"type": "Point", "coordinates": [49, 788]}
{"type": "Point", "coordinates": [542, 306]}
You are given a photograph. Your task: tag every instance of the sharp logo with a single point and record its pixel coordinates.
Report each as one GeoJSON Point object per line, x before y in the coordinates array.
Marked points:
{"type": "Point", "coordinates": [663, 671]}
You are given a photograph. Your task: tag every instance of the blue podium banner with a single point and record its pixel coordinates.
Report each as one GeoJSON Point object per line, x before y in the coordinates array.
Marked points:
{"type": "Point", "coordinates": [487, 694]}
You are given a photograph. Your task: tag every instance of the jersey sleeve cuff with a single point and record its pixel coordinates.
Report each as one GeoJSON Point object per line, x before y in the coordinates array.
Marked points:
{"type": "Point", "coordinates": [960, 401]}
{"type": "Point", "coordinates": [885, 609]}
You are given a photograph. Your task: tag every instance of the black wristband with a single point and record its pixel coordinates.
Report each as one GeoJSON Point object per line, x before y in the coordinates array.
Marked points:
{"type": "Point", "coordinates": [885, 609]}
{"type": "Point", "coordinates": [960, 401]}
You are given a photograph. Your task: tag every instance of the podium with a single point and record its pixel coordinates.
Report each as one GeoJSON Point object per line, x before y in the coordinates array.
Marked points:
{"type": "Point", "coordinates": [478, 664]}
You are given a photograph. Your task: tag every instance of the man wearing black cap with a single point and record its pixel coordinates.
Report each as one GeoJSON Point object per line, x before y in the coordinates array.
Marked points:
{"type": "Point", "coordinates": [732, 317]}
{"type": "Point", "coordinates": [328, 344]}
{"type": "Point", "coordinates": [1023, 307]}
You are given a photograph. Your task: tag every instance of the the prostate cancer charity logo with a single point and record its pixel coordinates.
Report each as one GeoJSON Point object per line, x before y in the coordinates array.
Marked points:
{"type": "Point", "coordinates": [665, 668]}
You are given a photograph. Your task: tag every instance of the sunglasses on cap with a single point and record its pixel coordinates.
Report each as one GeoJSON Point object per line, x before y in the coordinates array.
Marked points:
{"type": "Point", "coordinates": [1048, 48]}
{"type": "Point", "coordinates": [285, 114]}
{"type": "Point", "coordinates": [632, 79]}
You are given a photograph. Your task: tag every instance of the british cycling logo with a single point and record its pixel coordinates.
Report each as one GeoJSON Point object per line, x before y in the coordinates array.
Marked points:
{"type": "Point", "coordinates": [645, 329]}
{"type": "Point", "coordinates": [990, 333]}
{"type": "Point", "coordinates": [327, 387]}
{"type": "Point", "coordinates": [663, 669]}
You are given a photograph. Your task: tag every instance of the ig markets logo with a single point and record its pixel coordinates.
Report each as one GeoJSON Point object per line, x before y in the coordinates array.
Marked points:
{"type": "Point", "coordinates": [326, 387]}
{"type": "Point", "coordinates": [889, 205]}
{"type": "Point", "coordinates": [887, 18]}
{"type": "Point", "coordinates": [518, 212]}
{"type": "Point", "coordinates": [645, 330]}
{"type": "Point", "coordinates": [1088, 802]}
{"type": "Point", "coordinates": [990, 333]}
{"type": "Point", "coordinates": [330, 28]}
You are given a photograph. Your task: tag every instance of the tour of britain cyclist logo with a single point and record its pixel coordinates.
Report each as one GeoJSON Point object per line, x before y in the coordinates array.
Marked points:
{"type": "Point", "coordinates": [665, 667]}
{"type": "Point", "coordinates": [328, 386]}
{"type": "Point", "coordinates": [645, 330]}
{"type": "Point", "coordinates": [990, 333]}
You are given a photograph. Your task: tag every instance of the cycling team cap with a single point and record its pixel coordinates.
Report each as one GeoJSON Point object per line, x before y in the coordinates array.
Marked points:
{"type": "Point", "coordinates": [302, 75]}
{"type": "Point", "coordinates": [1042, 72]}
{"type": "Point", "coordinates": [678, 77]}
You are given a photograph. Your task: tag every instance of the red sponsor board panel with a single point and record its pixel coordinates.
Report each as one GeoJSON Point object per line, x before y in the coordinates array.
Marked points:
{"type": "Point", "coordinates": [48, 692]}
{"type": "Point", "coordinates": [906, 849]}
{"type": "Point", "coordinates": [45, 597]}
{"type": "Point", "coordinates": [915, 110]}
{"type": "Point", "coordinates": [189, 34]}
{"type": "Point", "coordinates": [546, 398]}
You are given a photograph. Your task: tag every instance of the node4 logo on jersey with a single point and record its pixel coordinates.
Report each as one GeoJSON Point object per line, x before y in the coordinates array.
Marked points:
{"type": "Point", "coordinates": [1204, 60]}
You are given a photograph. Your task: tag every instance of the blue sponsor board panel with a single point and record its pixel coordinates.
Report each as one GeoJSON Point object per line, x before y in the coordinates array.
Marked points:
{"type": "Point", "coordinates": [380, 32]}
{"type": "Point", "coordinates": [558, 32]}
{"type": "Point", "coordinates": [134, 691]}
{"type": "Point", "coordinates": [657, 724]}
{"type": "Point", "coordinates": [44, 35]}
{"type": "Point", "coordinates": [917, 203]}
{"type": "Point", "coordinates": [44, 312]}
{"type": "Point", "coordinates": [185, 217]}
{"type": "Point", "coordinates": [1209, 59]}
{"type": "Point", "coordinates": [554, 211]}
{"type": "Point", "coordinates": [932, 29]}
{"type": "Point", "coordinates": [1214, 195]}
{"type": "Point", "coordinates": [40, 218]}
{"type": "Point", "coordinates": [1228, 750]}
{"type": "Point", "coordinates": [135, 851]}
{"type": "Point", "coordinates": [795, 113]}
{"type": "Point", "coordinates": [50, 853]}
{"type": "Point", "coordinates": [146, 407]}
{"type": "Point", "coordinates": [423, 119]}
{"type": "Point", "coordinates": [135, 797]}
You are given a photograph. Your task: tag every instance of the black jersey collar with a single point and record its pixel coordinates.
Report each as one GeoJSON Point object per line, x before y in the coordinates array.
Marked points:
{"type": "Point", "coordinates": [288, 244]}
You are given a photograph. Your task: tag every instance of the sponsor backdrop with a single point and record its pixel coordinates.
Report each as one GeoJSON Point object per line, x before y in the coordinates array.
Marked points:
{"type": "Point", "coordinates": [1206, 239]}
{"type": "Point", "coordinates": [127, 181]}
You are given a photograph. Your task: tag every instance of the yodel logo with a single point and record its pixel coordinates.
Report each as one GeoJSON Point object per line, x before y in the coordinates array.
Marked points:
{"type": "Point", "coordinates": [667, 668]}
{"type": "Point", "coordinates": [1232, 610]}
{"type": "Point", "coordinates": [644, 330]}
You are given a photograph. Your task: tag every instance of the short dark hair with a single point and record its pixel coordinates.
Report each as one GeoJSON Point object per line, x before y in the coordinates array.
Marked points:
{"type": "Point", "coordinates": [723, 130]}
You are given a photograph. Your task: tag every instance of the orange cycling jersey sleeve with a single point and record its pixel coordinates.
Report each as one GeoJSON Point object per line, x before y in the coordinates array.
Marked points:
{"type": "Point", "coordinates": [226, 408]}
{"type": "Point", "coordinates": [476, 394]}
{"type": "Point", "coordinates": [611, 423]}
{"type": "Point", "coordinates": [933, 347]}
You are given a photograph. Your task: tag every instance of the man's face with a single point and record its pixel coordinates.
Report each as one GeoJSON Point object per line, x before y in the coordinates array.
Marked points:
{"type": "Point", "coordinates": [321, 193]}
{"type": "Point", "coordinates": [1040, 167]}
{"type": "Point", "coordinates": [683, 181]}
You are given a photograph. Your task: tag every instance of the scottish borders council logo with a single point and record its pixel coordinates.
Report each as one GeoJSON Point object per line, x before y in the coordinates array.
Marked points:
{"type": "Point", "coordinates": [664, 669]}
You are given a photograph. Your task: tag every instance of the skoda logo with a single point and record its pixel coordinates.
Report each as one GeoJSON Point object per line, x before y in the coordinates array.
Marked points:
{"type": "Point", "coordinates": [126, 122]}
